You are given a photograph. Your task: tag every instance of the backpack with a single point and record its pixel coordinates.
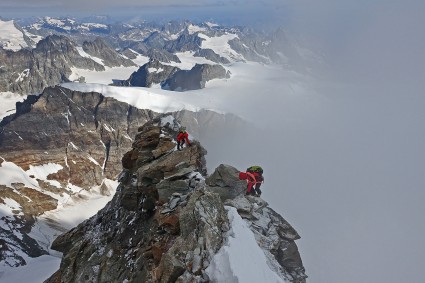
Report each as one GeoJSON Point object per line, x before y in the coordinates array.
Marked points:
{"type": "Point", "coordinates": [256, 169]}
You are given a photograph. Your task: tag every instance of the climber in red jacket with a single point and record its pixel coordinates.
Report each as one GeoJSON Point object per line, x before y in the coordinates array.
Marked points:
{"type": "Point", "coordinates": [254, 178]}
{"type": "Point", "coordinates": [182, 137]}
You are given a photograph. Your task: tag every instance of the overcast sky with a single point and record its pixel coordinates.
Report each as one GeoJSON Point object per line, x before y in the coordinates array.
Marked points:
{"type": "Point", "coordinates": [232, 12]}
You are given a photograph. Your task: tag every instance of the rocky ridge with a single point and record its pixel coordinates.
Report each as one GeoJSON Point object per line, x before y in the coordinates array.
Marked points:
{"type": "Point", "coordinates": [81, 137]}
{"type": "Point", "coordinates": [100, 49]}
{"type": "Point", "coordinates": [195, 78]}
{"type": "Point", "coordinates": [50, 63]}
{"type": "Point", "coordinates": [29, 71]}
{"type": "Point", "coordinates": [173, 78]}
{"type": "Point", "coordinates": [153, 72]}
{"type": "Point", "coordinates": [166, 221]}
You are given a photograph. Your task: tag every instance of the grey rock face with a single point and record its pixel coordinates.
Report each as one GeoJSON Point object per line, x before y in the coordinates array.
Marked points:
{"type": "Point", "coordinates": [185, 42]}
{"type": "Point", "coordinates": [195, 78]}
{"type": "Point", "coordinates": [50, 63]}
{"type": "Point", "coordinates": [162, 56]}
{"type": "Point", "coordinates": [173, 78]}
{"type": "Point", "coordinates": [175, 27]}
{"type": "Point", "coordinates": [211, 55]}
{"type": "Point", "coordinates": [100, 49]}
{"type": "Point", "coordinates": [162, 41]}
{"type": "Point", "coordinates": [127, 52]}
{"type": "Point", "coordinates": [140, 237]}
{"type": "Point", "coordinates": [30, 71]}
{"type": "Point", "coordinates": [274, 235]}
{"type": "Point", "coordinates": [274, 47]}
{"type": "Point", "coordinates": [151, 73]}
{"type": "Point", "coordinates": [72, 125]}
{"type": "Point", "coordinates": [225, 182]}
{"type": "Point", "coordinates": [85, 134]}
{"type": "Point", "coordinates": [14, 241]}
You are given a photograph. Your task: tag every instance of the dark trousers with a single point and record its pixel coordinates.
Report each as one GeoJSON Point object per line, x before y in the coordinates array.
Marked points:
{"type": "Point", "coordinates": [257, 188]}
{"type": "Point", "coordinates": [253, 189]}
{"type": "Point", "coordinates": [180, 144]}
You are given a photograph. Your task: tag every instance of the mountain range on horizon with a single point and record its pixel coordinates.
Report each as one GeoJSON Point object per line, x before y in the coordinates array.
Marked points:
{"type": "Point", "coordinates": [326, 96]}
{"type": "Point", "coordinates": [62, 146]}
{"type": "Point", "coordinates": [93, 46]}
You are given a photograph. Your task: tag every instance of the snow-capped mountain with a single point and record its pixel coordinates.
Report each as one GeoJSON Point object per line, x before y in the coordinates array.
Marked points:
{"type": "Point", "coordinates": [85, 46]}
{"type": "Point", "coordinates": [12, 37]}
{"type": "Point", "coordinates": [78, 133]}
{"type": "Point", "coordinates": [66, 25]}
{"type": "Point", "coordinates": [50, 62]}
{"type": "Point", "coordinates": [68, 53]}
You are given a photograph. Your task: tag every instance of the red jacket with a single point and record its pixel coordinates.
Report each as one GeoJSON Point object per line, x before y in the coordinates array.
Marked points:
{"type": "Point", "coordinates": [251, 177]}
{"type": "Point", "coordinates": [184, 136]}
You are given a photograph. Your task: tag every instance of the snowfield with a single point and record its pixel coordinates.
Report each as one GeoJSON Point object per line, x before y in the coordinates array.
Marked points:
{"type": "Point", "coordinates": [10, 37]}
{"type": "Point", "coordinates": [240, 259]}
{"type": "Point", "coordinates": [70, 212]}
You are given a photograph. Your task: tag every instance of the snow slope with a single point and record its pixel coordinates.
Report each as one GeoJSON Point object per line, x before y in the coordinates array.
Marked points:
{"type": "Point", "coordinates": [10, 37]}
{"type": "Point", "coordinates": [240, 259]}
{"type": "Point", "coordinates": [70, 212]}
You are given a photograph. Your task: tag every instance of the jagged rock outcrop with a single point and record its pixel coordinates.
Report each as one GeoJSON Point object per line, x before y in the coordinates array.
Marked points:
{"type": "Point", "coordinates": [30, 71]}
{"type": "Point", "coordinates": [211, 55]}
{"type": "Point", "coordinates": [162, 55]}
{"type": "Point", "coordinates": [225, 182]}
{"type": "Point", "coordinates": [163, 41]}
{"type": "Point", "coordinates": [50, 63]}
{"type": "Point", "coordinates": [185, 42]}
{"type": "Point", "coordinates": [83, 136]}
{"type": "Point", "coordinates": [85, 133]}
{"type": "Point", "coordinates": [165, 224]}
{"type": "Point", "coordinates": [153, 72]}
{"type": "Point", "coordinates": [100, 49]}
{"type": "Point", "coordinates": [142, 235]}
{"type": "Point", "coordinates": [14, 241]}
{"type": "Point", "coordinates": [195, 78]}
{"type": "Point", "coordinates": [172, 78]}
{"type": "Point", "coordinates": [275, 235]}
{"type": "Point", "coordinates": [274, 47]}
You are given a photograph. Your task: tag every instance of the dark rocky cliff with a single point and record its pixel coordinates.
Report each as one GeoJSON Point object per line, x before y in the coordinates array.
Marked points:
{"type": "Point", "coordinates": [100, 49]}
{"type": "Point", "coordinates": [50, 63]}
{"type": "Point", "coordinates": [84, 135]}
{"type": "Point", "coordinates": [166, 221]}
{"type": "Point", "coordinates": [172, 78]}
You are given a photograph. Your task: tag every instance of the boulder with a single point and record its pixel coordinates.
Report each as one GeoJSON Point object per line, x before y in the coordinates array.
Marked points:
{"type": "Point", "coordinates": [225, 182]}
